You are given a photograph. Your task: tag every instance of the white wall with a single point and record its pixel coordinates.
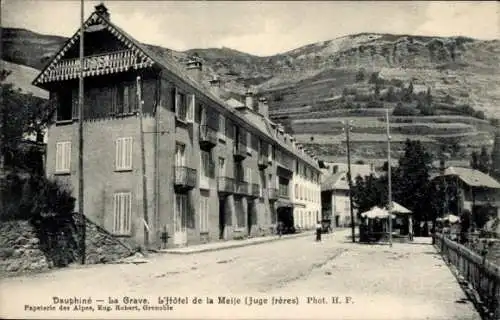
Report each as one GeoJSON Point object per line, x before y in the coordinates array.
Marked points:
{"type": "Point", "coordinates": [307, 197]}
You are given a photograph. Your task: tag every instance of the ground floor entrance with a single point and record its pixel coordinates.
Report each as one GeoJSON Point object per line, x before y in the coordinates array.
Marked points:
{"type": "Point", "coordinates": [180, 219]}
{"type": "Point", "coordinates": [285, 216]}
{"type": "Point", "coordinates": [222, 218]}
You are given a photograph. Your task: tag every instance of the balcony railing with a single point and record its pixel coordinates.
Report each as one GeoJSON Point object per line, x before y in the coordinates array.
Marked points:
{"type": "Point", "coordinates": [240, 151]}
{"type": "Point", "coordinates": [185, 178]}
{"type": "Point", "coordinates": [225, 185]}
{"type": "Point", "coordinates": [95, 65]}
{"type": "Point", "coordinates": [242, 187]}
{"type": "Point", "coordinates": [272, 193]}
{"type": "Point", "coordinates": [263, 161]}
{"type": "Point", "coordinates": [208, 137]}
{"type": "Point", "coordinates": [255, 188]}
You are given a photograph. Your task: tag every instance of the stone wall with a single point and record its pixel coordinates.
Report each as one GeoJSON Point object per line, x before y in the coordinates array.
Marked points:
{"type": "Point", "coordinates": [20, 248]}
{"type": "Point", "coordinates": [102, 247]}
{"type": "Point", "coordinates": [48, 243]}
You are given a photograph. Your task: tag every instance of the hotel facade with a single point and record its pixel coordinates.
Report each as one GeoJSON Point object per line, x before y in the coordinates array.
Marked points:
{"type": "Point", "coordinates": [215, 169]}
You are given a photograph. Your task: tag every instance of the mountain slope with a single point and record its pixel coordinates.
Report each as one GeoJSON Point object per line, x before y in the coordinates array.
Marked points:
{"type": "Point", "coordinates": [311, 82]}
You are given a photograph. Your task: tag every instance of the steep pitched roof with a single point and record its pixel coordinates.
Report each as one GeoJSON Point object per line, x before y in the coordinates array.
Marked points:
{"type": "Point", "coordinates": [333, 182]}
{"type": "Point", "coordinates": [472, 177]}
{"type": "Point", "coordinates": [166, 63]}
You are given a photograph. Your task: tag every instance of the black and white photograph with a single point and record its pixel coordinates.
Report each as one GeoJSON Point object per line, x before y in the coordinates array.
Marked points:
{"type": "Point", "coordinates": [250, 160]}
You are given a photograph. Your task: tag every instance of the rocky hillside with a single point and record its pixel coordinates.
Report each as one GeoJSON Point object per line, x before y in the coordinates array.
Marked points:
{"type": "Point", "coordinates": [322, 80]}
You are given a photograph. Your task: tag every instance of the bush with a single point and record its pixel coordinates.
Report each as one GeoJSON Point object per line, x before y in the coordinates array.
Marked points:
{"type": "Point", "coordinates": [34, 196]}
{"type": "Point", "coordinates": [402, 110]}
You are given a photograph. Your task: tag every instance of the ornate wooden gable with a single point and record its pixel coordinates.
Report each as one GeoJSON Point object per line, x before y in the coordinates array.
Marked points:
{"type": "Point", "coordinates": [66, 66]}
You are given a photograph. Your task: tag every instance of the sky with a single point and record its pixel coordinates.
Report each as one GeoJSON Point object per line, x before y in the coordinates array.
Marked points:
{"type": "Point", "coordinates": [259, 27]}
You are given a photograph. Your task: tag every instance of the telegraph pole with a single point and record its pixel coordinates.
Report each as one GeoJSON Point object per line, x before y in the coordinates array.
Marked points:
{"type": "Point", "coordinates": [389, 178]}
{"type": "Point", "coordinates": [80, 136]}
{"type": "Point", "coordinates": [347, 129]}
{"type": "Point", "coordinates": [143, 165]}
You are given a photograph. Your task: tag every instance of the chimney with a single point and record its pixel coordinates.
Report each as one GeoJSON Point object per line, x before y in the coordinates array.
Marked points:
{"type": "Point", "coordinates": [249, 99]}
{"type": "Point", "coordinates": [215, 85]}
{"type": "Point", "coordinates": [263, 107]}
{"type": "Point", "coordinates": [194, 67]}
{"type": "Point", "coordinates": [102, 11]}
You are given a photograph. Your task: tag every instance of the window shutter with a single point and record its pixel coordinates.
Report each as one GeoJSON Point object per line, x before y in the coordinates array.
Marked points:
{"type": "Point", "coordinates": [59, 158]}
{"type": "Point", "coordinates": [74, 104]}
{"type": "Point", "coordinates": [116, 213]}
{"type": "Point", "coordinates": [118, 154]}
{"type": "Point", "coordinates": [177, 102]}
{"type": "Point", "coordinates": [67, 162]}
{"type": "Point", "coordinates": [128, 153]}
{"type": "Point", "coordinates": [190, 108]}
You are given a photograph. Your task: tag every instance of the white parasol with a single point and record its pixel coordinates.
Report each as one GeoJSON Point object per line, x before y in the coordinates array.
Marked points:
{"type": "Point", "coordinates": [450, 218]}
{"type": "Point", "coordinates": [377, 212]}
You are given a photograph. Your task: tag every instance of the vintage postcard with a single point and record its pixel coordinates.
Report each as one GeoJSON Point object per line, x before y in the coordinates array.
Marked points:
{"type": "Point", "coordinates": [250, 160]}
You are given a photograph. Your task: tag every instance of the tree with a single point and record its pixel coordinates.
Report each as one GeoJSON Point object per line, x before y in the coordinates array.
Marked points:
{"type": "Point", "coordinates": [412, 184]}
{"type": "Point", "coordinates": [408, 95]}
{"type": "Point", "coordinates": [495, 156]}
{"type": "Point", "coordinates": [374, 78]}
{"type": "Point", "coordinates": [360, 75]}
{"type": "Point", "coordinates": [428, 96]}
{"type": "Point", "coordinates": [484, 161]}
{"type": "Point", "coordinates": [21, 114]}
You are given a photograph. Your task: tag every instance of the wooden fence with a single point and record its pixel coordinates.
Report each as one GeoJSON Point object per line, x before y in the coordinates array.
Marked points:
{"type": "Point", "coordinates": [481, 274]}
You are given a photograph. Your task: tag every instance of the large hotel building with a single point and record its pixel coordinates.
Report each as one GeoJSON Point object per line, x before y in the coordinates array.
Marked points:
{"type": "Point", "coordinates": [215, 168]}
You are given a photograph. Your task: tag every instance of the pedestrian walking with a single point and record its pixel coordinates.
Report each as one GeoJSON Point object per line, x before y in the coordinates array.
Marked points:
{"type": "Point", "coordinates": [280, 228]}
{"type": "Point", "coordinates": [318, 231]}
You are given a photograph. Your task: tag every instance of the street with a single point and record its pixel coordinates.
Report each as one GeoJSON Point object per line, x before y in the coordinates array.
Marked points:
{"type": "Point", "coordinates": [329, 279]}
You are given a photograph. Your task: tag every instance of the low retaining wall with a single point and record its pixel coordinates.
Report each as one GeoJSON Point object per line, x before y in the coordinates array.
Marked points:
{"type": "Point", "coordinates": [35, 246]}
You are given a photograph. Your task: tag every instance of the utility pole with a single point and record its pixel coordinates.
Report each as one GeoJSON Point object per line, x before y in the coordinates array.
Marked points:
{"type": "Point", "coordinates": [143, 166]}
{"type": "Point", "coordinates": [80, 137]}
{"type": "Point", "coordinates": [349, 180]}
{"type": "Point", "coordinates": [389, 177]}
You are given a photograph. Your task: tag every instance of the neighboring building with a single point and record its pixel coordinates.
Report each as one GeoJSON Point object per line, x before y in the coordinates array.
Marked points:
{"type": "Point", "coordinates": [473, 189]}
{"type": "Point", "coordinates": [214, 170]}
{"type": "Point", "coordinates": [335, 201]}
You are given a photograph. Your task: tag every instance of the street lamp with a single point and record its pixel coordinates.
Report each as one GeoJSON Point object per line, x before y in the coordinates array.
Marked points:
{"type": "Point", "coordinates": [347, 128]}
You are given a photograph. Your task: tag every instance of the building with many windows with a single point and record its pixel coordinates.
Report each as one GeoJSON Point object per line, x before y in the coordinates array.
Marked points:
{"type": "Point", "coordinates": [215, 169]}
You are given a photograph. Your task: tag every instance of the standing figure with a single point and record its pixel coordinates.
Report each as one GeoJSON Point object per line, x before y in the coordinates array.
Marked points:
{"type": "Point", "coordinates": [280, 228]}
{"type": "Point", "coordinates": [318, 231]}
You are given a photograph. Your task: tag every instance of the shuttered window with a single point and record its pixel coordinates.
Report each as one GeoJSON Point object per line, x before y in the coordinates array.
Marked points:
{"type": "Point", "coordinates": [190, 108]}
{"type": "Point", "coordinates": [248, 175]}
{"type": "Point", "coordinates": [63, 157]}
{"type": "Point", "coordinates": [123, 155]}
{"type": "Point", "coordinates": [222, 127]}
{"type": "Point", "coordinates": [122, 213]}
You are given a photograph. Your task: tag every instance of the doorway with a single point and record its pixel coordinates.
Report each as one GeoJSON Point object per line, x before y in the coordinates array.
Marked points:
{"type": "Point", "coordinates": [222, 218]}
{"type": "Point", "coordinates": [180, 219]}
{"type": "Point", "coordinates": [285, 215]}
{"type": "Point", "coordinates": [249, 217]}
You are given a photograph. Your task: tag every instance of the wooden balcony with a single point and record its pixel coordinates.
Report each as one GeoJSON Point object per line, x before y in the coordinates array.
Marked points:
{"type": "Point", "coordinates": [184, 178]}
{"type": "Point", "coordinates": [225, 185]}
{"type": "Point", "coordinates": [263, 161]}
{"type": "Point", "coordinates": [283, 192]}
{"type": "Point", "coordinates": [242, 188]}
{"type": "Point", "coordinates": [255, 190]}
{"type": "Point", "coordinates": [240, 151]}
{"type": "Point", "coordinates": [96, 65]}
{"type": "Point", "coordinates": [208, 138]}
{"type": "Point", "coordinates": [272, 193]}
